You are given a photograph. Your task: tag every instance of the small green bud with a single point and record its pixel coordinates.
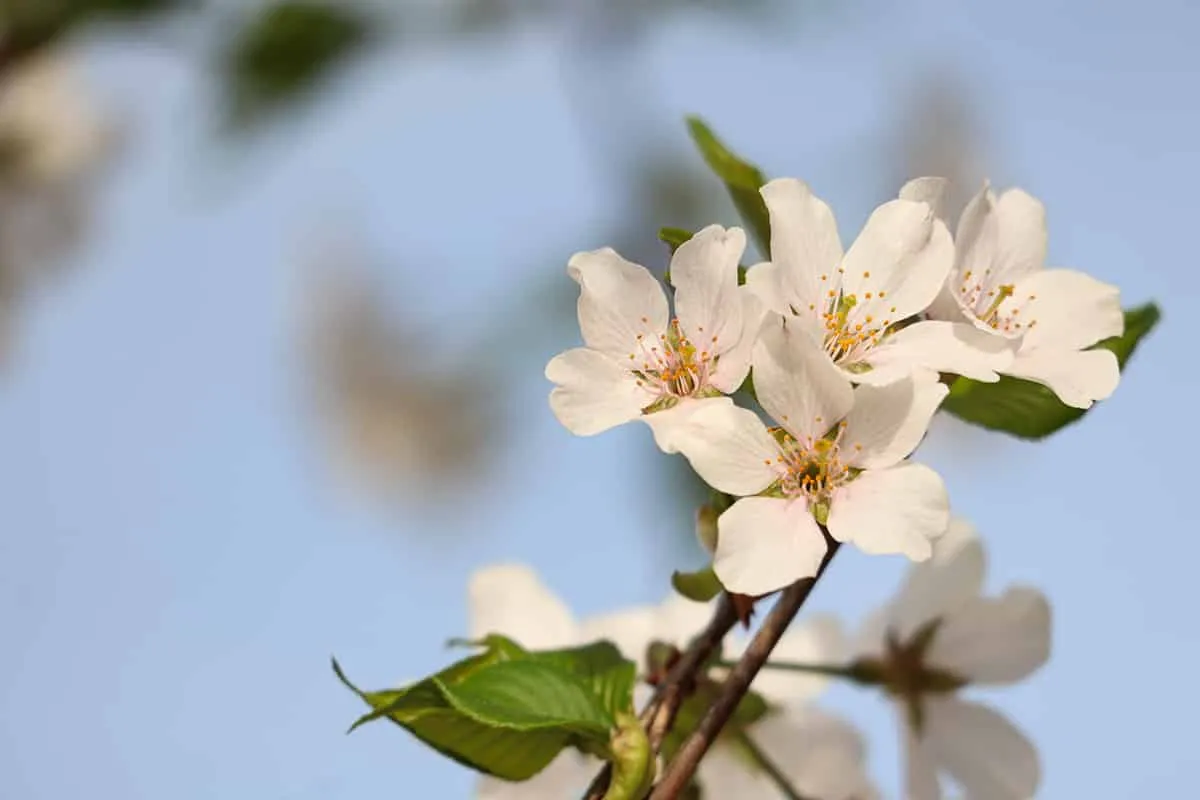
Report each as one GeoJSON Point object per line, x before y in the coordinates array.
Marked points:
{"type": "Point", "coordinates": [632, 760]}
{"type": "Point", "coordinates": [706, 527]}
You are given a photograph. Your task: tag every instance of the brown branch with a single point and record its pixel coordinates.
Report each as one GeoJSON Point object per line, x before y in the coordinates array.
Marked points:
{"type": "Point", "coordinates": [679, 773]}
{"type": "Point", "coordinates": [659, 714]}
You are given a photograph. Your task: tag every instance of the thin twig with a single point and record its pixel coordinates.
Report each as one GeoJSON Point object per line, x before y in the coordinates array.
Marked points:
{"type": "Point", "coordinates": [679, 773]}
{"type": "Point", "coordinates": [659, 714]}
{"type": "Point", "coordinates": [769, 767]}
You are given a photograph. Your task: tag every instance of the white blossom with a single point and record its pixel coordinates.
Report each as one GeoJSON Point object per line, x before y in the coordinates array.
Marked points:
{"type": "Point", "coordinates": [640, 362]}
{"type": "Point", "coordinates": [1048, 317]}
{"type": "Point", "coordinates": [860, 305]}
{"type": "Point", "coordinates": [820, 754]}
{"type": "Point", "coordinates": [837, 458]}
{"type": "Point", "coordinates": [940, 635]}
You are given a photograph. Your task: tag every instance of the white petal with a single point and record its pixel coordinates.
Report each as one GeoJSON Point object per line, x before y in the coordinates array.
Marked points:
{"type": "Point", "coordinates": [669, 424]}
{"type": "Point", "coordinates": [510, 599]}
{"type": "Point", "coordinates": [888, 422]}
{"type": "Point", "coordinates": [951, 578]}
{"type": "Point", "coordinates": [797, 383]}
{"type": "Point", "coordinates": [902, 259]}
{"type": "Point", "coordinates": [618, 301]}
{"type": "Point", "coordinates": [569, 775]}
{"type": "Point", "coordinates": [733, 364]}
{"type": "Point", "coordinates": [815, 640]}
{"type": "Point", "coordinates": [763, 281]}
{"type": "Point", "coordinates": [1072, 309]}
{"type": "Point", "coordinates": [901, 509]}
{"type": "Point", "coordinates": [729, 448]}
{"type": "Point", "coordinates": [920, 770]}
{"type": "Point", "coordinates": [804, 241]}
{"type": "Point", "coordinates": [594, 392]}
{"type": "Point", "coordinates": [975, 239]}
{"type": "Point", "coordinates": [931, 191]}
{"type": "Point", "coordinates": [766, 543]}
{"type": "Point", "coordinates": [707, 301]}
{"type": "Point", "coordinates": [820, 754]}
{"type": "Point", "coordinates": [1020, 237]}
{"type": "Point", "coordinates": [995, 640]}
{"type": "Point", "coordinates": [957, 348]}
{"type": "Point", "coordinates": [984, 753]}
{"type": "Point", "coordinates": [630, 630]}
{"type": "Point", "coordinates": [1079, 378]}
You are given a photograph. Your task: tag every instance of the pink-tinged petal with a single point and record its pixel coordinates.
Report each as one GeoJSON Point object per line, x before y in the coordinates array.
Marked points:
{"type": "Point", "coordinates": [804, 242]}
{"type": "Point", "coordinates": [729, 447]}
{"type": "Point", "coordinates": [985, 754]}
{"type": "Point", "coordinates": [1071, 309]}
{"type": "Point", "coordinates": [950, 579]}
{"type": "Point", "coordinates": [995, 640]}
{"type": "Point", "coordinates": [920, 770]}
{"type": "Point", "coordinates": [763, 281]}
{"type": "Point", "coordinates": [813, 640]}
{"type": "Point", "coordinates": [888, 422]}
{"type": "Point", "coordinates": [594, 392]}
{"type": "Point", "coordinates": [618, 302]}
{"type": "Point", "coordinates": [733, 364]}
{"type": "Point", "coordinates": [931, 191]}
{"type": "Point", "coordinates": [707, 301]}
{"type": "Point", "coordinates": [957, 348]}
{"type": "Point", "coordinates": [797, 383]}
{"type": "Point", "coordinates": [901, 260]}
{"type": "Point", "coordinates": [510, 599]}
{"type": "Point", "coordinates": [1079, 378]}
{"type": "Point", "coordinates": [767, 543]}
{"type": "Point", "coordinates": [902, 509]}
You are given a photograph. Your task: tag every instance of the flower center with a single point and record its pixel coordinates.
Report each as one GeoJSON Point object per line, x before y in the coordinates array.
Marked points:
{"type": "Point", "coordinates": [846, 340]}
{"type": "Point", "coordinates": [674, 367]}
{"type": "Point", "coordinates": [810, 468]}
{"type": "Point", "coordinates": [986, 300]}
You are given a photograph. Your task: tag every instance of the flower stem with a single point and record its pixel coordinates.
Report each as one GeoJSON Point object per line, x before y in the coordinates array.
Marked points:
{"type": "Point", "coordinates": [659, 714]}
{"type": "Point", "coordinates": [769, 767]}
{"type": "Point", "coordinates": [681, 769]}
{"type": "Point", "coordinates": [832, 670]}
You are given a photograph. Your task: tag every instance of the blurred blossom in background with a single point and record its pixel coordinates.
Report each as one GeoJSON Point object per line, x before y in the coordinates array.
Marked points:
{"type": "Point", "coordinates": [191, 377]}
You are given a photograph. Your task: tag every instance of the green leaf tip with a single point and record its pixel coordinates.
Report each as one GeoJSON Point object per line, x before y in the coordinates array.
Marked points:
{"type": "Point", "coordinates": [699, 586]}
{"type": "Point", "coordinates": [741, 178]}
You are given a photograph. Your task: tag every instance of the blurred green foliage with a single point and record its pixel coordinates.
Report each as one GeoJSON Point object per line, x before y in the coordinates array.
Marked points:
{"type": "Point", "coordinates": [282, 53]}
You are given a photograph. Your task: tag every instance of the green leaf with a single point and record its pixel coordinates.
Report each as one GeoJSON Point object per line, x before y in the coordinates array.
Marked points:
{"type": "Point", "coordinates": [507, 711]}
{"type": "Point", "coordinates": [674, 237]}
{"type": "Point", "coordinates": [1029, 410]}
{"type": "Point", "coordinates": [284, 52]}
{"type": "Point", "coordinates": [701, 585]}
{"type": "Point", "coordinates": [741, 178]}
{"type": "Point", "coordinates": [600, 666]}
{"type": "Point", "coordinates": [507, 718]}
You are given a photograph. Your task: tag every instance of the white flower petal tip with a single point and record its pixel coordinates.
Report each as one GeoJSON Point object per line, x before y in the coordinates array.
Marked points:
{"type": "Point", "coordinates": [765, 544]}
{"type": "Point", "coordinates": [901, 509]}
{"type": "Point", "coordinates": [929, 190]}
{"type": "Point", "coordinates": [511, 599]}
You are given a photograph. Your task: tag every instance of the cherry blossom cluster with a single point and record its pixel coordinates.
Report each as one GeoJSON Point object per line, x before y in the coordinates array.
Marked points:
{"type": "Point", "coordinates": [846, 352]}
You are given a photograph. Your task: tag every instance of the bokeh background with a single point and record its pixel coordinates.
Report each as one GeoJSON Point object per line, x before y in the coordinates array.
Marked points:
{"type": "Point", "coordinates": [277, 286]}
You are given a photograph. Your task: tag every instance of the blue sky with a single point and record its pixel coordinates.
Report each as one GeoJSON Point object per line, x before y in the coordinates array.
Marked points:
{"type": "Point", "coordinates": [176, 566]}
